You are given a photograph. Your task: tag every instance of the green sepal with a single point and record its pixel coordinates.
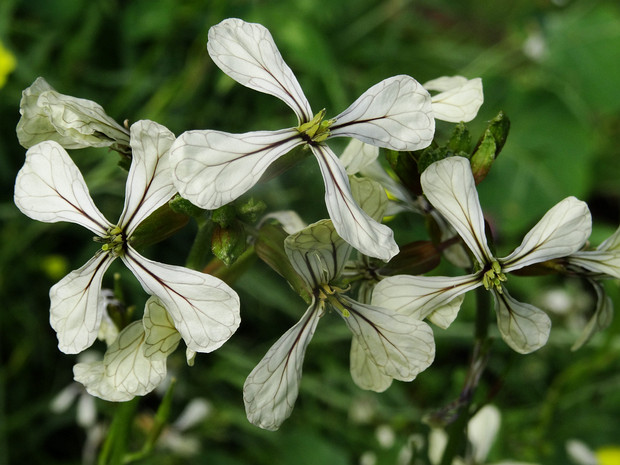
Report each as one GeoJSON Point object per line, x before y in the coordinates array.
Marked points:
{"type": "Point", "coordinates": [225, 215]}
{"type": "Point", "coordinates": [431, 155]}
{"type": "Point", "coordinates": [415, 258]}
{"type": "Point", "coordinates": [183, 206]}
{"type": "Point", "coordinates": [251, 210]}
{"type": "Point", "coordinates": [460, 139]}
{"type": "Point", "coordinates": [228, 242]}
{"type": "Point", "coordinates": [489, 146]}
{"type": "Point", "coordinates": [405, 166]}
{"type": "Point", "coordinates": [269, 247]}
{"type": "Point", "coordinates": [159, 225]}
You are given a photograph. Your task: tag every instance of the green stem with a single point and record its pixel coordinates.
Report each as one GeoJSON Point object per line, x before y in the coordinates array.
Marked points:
{"type": "Point", "coordinates": [457, 431]}
{"type": "Point", "coordinates": [115, 445]}
{"type": "Point", "coordinates": [201, 248]}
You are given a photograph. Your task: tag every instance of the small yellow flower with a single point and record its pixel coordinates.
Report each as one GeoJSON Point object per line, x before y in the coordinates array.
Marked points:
{"type": "Point", "coordinates": [7, 64]}
{"type": "Point", "coordinates": [608, 455]}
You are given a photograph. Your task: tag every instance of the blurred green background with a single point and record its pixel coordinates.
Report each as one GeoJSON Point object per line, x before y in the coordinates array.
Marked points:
{"type": "Point", "coordinates": [552, 66]}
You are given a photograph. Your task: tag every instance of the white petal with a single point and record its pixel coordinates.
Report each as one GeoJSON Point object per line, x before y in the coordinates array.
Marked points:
{"type": "Point", "coordinates": [611, 243]}
{"type": "Point", "coordinates": [523, 327]}
{"type": "Point", "coordinates": [369, 195]}
{"type": "Point", "coordinates": [149, 183]}
{"type": "Point", "coordinates": [270, 391]}
{"type": "Point", "coordinates": [358, 155]}
{"type": "Point", "coordinates": [76, 305]}
{"type": "Point", "coordinates": [445, 83]}
{"type": "Point", "coordinates": [289, 219]}
{"type": "Point", "coordinates": [213, 168]}
{"type": "Point", "coordinates": [205, 310]}
{"type": "Point", "coordinates": [562, 231]}
{"type": "Point", "coordinates": [444, 315]}
{"type": "Point", "coordinates": [460, 102]}
{"type": "Point", "coordinates": [606, 262]}
{"type": "Point", "coordinates": [72, 122]}
{"type": "Point", "coordinates": [364, 372]}
{"type": "Point", "coordinates": [420, 296]}
{"type": "Point", "coordinates": [395, 113]}
{"type": "Point", "coordinates": [161, 337]}
{"type": "Point", "coordinates": [317, 253]}
{"type": "Point", "coordinates": [351, 222]}
{"type": "Point", "coordinates": [50, 188]}
{"type": "Point", "coordinates": [399, 345]}
{"type": "Point", "coordinates": [92, 376]}
{"type": "Point", "coordinates": [601, 319]}
{"type": "Point", "coordinates": [248, 54]}
{"type": "Point", "coordinates": [449, 185]}
{"type": "Point", "coordinates": [482, 430]}
{"type": "Point", "coordinates": [126, 366]}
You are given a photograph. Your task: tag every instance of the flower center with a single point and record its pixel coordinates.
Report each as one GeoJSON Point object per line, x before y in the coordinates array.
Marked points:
{"type": "Point", "coordinates": [329, 293]}
{"type": "Point", "coordinates": [113, 242]}
{"type": "Point", "coordinates": [316, 130]}
{"type": "Point", "coordinates": [494, 277]}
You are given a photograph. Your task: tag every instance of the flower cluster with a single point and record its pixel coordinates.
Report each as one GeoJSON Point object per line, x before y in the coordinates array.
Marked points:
{"type": "Point", "coordinates": [211, 169]}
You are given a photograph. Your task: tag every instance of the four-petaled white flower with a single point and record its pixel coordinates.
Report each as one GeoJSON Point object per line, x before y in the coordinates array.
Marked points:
{"type": "Point", "coordinates": [212, 168]}
{"type": "Point", "coordinates": [51, 188]}
{"type": "Point", "coordinates": [385, 343]}
{"type": "Point", "coordinates": [449, 186]}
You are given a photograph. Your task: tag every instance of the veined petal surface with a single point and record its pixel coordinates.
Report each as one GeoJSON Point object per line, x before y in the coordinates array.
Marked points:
{"type": "Point", "coordinates": [351, 222]}
{"type": "Point", "coordinates": [317, 253]}
{"type": "Point", "coordinates": [270, 391]}
{"type": "Point", "coordinates": [126, 365]}
{"type": "Point", "coordinates": [357, 155]}
{"type": "Point", "coordinates": [394, 113]}
{"type": "Point", "coordinates": [213, 168]}
{"type": "Point", "coordinates": [161, 337]}
{"type": "Point", "coordinates": [76, 305]}
{"type": "Point", "coordinates": [205, 310]}
{"type": "Point", "coordinates": [601, 319]}
{"type": "Point", "coordinates": [562, 231]}
{"type": "Point", "coordinates": [149, 183]}
{"type": "Point", "coordinates": [523, 327]}
{"type": "Point", "coordinates": [248, 54]}
{"type": "Point", "coordinates": [459, 98]}
{"type": "Point", "coordinates": [370, 196]}
{"type": "Point", "coordinates": [399, 345]}
{"type": "Point", "coordinates": [92, 376]}
{"type": "Point", "coordinates": [449, 185]}
{"type": "Point", "coordinates": [420, 296]}
{"type": "Point", "coordinates": [364, 372]}
{"type": "Point", "coordinates": [50, 188]}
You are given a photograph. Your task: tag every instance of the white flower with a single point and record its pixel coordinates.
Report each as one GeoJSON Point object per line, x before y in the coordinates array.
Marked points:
{"type": "Point", "coordinates": [212, 168]}
{"type": "Point", "coordinates": [50, 188]}
{"type": "Point", "coordinates": [385, 343]}
{"type": "Point", "coordinates": [135, 363]}
{"type": "Point", "coordinates": [459, 98]}
{"type": "Point", "coordinates": [72, 122]}
{"type": "Point", "coordinates": [449, 186]}
{"type": "Point", "coordinates": [482, 431]}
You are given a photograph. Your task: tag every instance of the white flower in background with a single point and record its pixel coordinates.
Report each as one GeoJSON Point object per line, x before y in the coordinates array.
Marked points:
{"type": "Point", "coordinates": [384, 342]}
{"type": "Point", "coordinates": [73, 122]}
{"type": "Point", "coordinates": [449, 186]}
{"type": "Point", "coordinates": [482, 431]}
{"type": "Point", "coordinates": [50, 188]}
{"type": "Point", "coordinates": [459, 98]}
{"type": "Point", "coordinates": [605, 259]}
{"type": "Point", "coordinates": [135, 363]}
{"type": "Point", "coordinates": [213, 168]}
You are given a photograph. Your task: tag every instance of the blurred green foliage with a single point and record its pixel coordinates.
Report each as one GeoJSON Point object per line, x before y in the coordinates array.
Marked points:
{"type": "Point", "coordinates": [552, 66]}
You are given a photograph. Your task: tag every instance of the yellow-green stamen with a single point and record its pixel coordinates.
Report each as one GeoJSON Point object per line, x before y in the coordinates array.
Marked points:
{"type": "Point", "coordinates": [113, 241]}
{"type": "Point", "coordinates": [316, 130]}
{"type": "Point", "coordinates": [329, 294]}
{"type": "Point", "coordinates": [494, 277]}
